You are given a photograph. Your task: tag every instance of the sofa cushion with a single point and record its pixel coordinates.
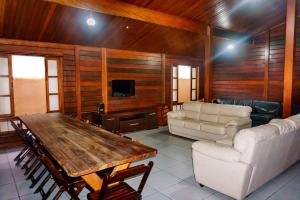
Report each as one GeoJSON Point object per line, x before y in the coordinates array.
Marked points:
{"type": "Point", "coordinates": [246, 137]}
{"type": "Point", "coordinates": [214, 128]}
{"type": "Point", "coordinates": [296, 120]}
{"type": "Point", "coordinates": [178, 121]}
{"type": "Point", "coordinates": [192, 124]}
{"type": "Point", "coordinates": [233, 110]}
{"type": "Point", "coordinates": [261, 117]}
{"type": "Point", "coordinates": [192, 114]}
{"type": "Point", "coordinates": [192, 106]}
{"type": "Point", "coordinates": [284, 125]}
{"type": "Point", "coordinates": [225, 119]}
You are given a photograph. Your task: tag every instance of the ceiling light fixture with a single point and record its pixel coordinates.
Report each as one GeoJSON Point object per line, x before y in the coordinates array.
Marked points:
{"type": "Point", "coordinates": [91, 21]}
{"type": "Point", "coordinates": [127, 27]}
{"type": "Point", "coordinates": [230, 47]}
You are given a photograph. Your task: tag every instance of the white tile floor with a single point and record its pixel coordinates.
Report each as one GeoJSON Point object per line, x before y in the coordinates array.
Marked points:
{"type": "Point", "coordinates": [171, 178]}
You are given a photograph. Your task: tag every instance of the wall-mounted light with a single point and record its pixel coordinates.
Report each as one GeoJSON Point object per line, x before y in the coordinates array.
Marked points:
{"type": "Point", "coordinates": [91, 21]}
{"type": "Point", "coordinates": [230, 47]}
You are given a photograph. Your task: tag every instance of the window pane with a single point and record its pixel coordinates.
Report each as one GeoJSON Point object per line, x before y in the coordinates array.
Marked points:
{"type": "Point", "coordinates": [53, 103]}
{"type": "Point", "coordinates": [175, 84]}
{"type": "Point", "coordinates": [5, 105]}
{"type": "Point", "coordinates": [174, 71]}
{"type": "Point", "coordinates": [174, 95]}
{"type": "Point", "coordinates": [52, 67]}
{"type": "Point", "coordinates": [4, 86]}
{"type": "Point", "coordinates": [194, 85]}
{"type": "Point", "coordinates": [174, 107]}
{"type": "Point", "coordinates": [184, 71]}
{"type": "Point", "coordinates": [4, 66]}
{"type": "Point", "coordinates": [53, 85]}
{"type": "Point", "coordinates": [193, 94]}
{"type": "Point", "coordinates": [194, 72]}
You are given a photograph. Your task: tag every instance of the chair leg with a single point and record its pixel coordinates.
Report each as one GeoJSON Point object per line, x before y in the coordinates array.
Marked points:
{"type": "Point", "coordinates": [32, 166]}
{"type": "Point", "coordinates": [22, 157]}
{"type": "Point", "coordinates": [58, 194]}
{"type": "Point", "coordinates": [43, 183]}
{"type": "Point", "coordinates": [25, 165]}
{"type": "Point", "coordinates": [20, 154]}
{"type": "Point", "coordinates": [51, 189]}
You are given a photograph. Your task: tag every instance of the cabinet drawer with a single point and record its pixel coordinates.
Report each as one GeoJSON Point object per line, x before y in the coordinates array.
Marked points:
{"type": "Point", "coordinates": [132, 125]}
{"type": "Point", "coordinates": [110, 123]}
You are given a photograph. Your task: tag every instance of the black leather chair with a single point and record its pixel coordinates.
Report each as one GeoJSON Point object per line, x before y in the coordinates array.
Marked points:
{"type": "Point", "coordinates": [262, 111]}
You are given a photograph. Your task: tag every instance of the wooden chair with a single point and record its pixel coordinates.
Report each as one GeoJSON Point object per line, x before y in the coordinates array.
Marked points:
{"type": "Point", "coordinates": [114, 187]}
{"type": "Point", "coordinates": [65, 183]}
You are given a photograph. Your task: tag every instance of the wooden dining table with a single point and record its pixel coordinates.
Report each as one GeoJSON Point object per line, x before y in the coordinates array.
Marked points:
{"type": "Point", "coordinates": [82, 149]}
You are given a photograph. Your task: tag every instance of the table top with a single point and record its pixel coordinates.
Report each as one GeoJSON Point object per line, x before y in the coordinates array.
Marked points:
{"type": "Point", "coordinates": [81, 148]}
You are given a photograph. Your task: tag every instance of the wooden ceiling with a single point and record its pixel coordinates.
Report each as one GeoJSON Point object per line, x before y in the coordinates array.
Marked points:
{"type": "Point", "coordinates": [38, 20]}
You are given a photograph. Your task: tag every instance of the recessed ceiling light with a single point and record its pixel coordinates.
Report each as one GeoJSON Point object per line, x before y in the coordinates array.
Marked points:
{"type": "Point", "coordinates": [91, 21]}
{"type": "Point", "coordinates": [127, 27]}
{"type": "Point", "coordinates": [230, 47]}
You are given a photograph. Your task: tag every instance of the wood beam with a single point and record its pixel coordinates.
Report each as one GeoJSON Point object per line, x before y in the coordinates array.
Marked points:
{"type": "Point", "coordinates": [208, 65]}
{"type": "Point", "coordinates": [289, 57]}
{"type": "Point", "coordinates": [2, 13]}
{"type": "Point", "coordinates": [104, 79]}
{"type": "Point", "coordinates": [122, 9]}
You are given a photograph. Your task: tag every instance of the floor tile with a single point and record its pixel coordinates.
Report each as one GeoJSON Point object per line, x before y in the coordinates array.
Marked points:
{"type": "Point", "coordinates": [182, 191]}
{"type": "Point", "coordinates": [161, 180]}
{"type": "Point", "coordinates": [156, 196]}
{"type": "Point", "coordinates": [182, 171]}
{"type": "Point", "coordinates": [287, 193]}
{"type": "Point", "coordinates": [8, 191]}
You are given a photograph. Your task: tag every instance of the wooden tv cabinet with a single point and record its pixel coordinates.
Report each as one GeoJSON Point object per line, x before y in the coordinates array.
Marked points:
{"type": "Point", "coordinates": [128, 121]}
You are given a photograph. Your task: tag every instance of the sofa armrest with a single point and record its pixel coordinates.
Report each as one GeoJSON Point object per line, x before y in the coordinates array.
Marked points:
{"type": "Point", "coordinates": [217, 151]}
{"type": "Point", "coordinates": [239, 122]}
{"type": "Point", "coordinates": [176, 113]}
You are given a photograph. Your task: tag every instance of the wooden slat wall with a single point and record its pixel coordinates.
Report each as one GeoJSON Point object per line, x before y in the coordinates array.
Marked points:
{"type": "Point", "coordinates": [66, 52]}
{"type": "Point", "coordinates": [242, 75]}
{"type": "Point", "coordinates": [90, 78]}
{"type": "Point", "coordinates": [276, 63]}
{"type": "Point", "coordinates": [296, 89]}
{"type": "Point", "coordinates": [144, 68]}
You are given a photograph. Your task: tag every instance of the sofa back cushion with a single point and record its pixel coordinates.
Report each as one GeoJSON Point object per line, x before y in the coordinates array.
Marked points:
{"type": "Point", "coordinates": [192, 109]}
{"type": "Point", "coordinates": [209, 112]}
{"type": "Point", "coordinates": [267, 150]}
{"type": "Point", "coordinates": [295, 120]}
{"type": "Point", "coordinates": [284, 125]}
{"type": "Point", "coordinates": [230, 112]}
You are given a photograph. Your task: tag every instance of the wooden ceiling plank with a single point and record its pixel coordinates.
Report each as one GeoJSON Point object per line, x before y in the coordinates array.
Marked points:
{"type": "Point", "coordinates": [2, 12]}
{"type": "Point", "coordinates": [48, 18]}
{"type": "Point", "coordinates": [122, 9]}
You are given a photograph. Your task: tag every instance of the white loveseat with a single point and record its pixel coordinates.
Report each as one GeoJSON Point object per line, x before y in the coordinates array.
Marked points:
{"type": "Point", "coordinates": [257, 155]}
{"type": "Point", "coordinates": [199, 120]}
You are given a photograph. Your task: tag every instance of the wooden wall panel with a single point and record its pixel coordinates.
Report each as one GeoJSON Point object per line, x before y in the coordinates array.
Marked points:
{"type": "Point", "coordinates": [90, 76]}
{"type": "Point", "coordinates": [296, 88]}
{"type": "Point", "coordinates": [239, 74]}
{"type": "Point", "coordinates": [276, 63]}
{"type": "Point", "coordinates": [144, 68]}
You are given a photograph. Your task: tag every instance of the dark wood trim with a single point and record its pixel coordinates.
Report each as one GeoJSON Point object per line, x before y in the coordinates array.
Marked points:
{"type": "Point", "coordinates": [11, 85]}
{"type": "Point", "coordinates": [2, 13]}
{"type": "Point", "coordinates": [104, 79]}
{"type": "Point", "coordinates": [78, 93]}
{"type": "Point", "coordinates": [208, 66]}
{"type": "Point", "coordinates": [266, 71]}
{"type": "Point", "coordinates": [163, 74]}
{"type": "Point", "coordinates": [289, 57]}
{"type": "Point", "coordinates": [122, 9]}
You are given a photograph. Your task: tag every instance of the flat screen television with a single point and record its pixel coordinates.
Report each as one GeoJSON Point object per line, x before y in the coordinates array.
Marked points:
{"type": "Point", "coordinates": [123, 88]}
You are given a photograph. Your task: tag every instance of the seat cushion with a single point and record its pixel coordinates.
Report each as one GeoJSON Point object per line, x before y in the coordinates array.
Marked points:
{"type": "Point", "coordinates": [214, 128]}
{"type": "Point", "coordinates": [178, 121]}
{"type": "Point", "coordinates": [192, 124]}
{"type": "Point", "coordinates": [262, 117]}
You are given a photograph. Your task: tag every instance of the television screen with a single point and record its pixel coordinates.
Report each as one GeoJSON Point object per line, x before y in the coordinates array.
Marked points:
{"type": "Point", "coordinates": [123, 88]}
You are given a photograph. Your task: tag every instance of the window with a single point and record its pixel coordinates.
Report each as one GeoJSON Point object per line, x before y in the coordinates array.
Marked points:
{"type": "Point", "coordinates": [6, 108]}
{"type": "Point", "coordinates": [53, 86]}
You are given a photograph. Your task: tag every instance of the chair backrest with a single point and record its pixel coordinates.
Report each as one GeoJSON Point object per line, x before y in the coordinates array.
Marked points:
{"type": "Point", "coordinates": [127, 173]}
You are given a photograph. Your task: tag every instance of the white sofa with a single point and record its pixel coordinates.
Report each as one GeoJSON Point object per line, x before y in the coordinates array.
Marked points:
{"type": "Point", "coordinates": [257, 155]}
{"type": "Point", "coordinates": [199, 120]}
